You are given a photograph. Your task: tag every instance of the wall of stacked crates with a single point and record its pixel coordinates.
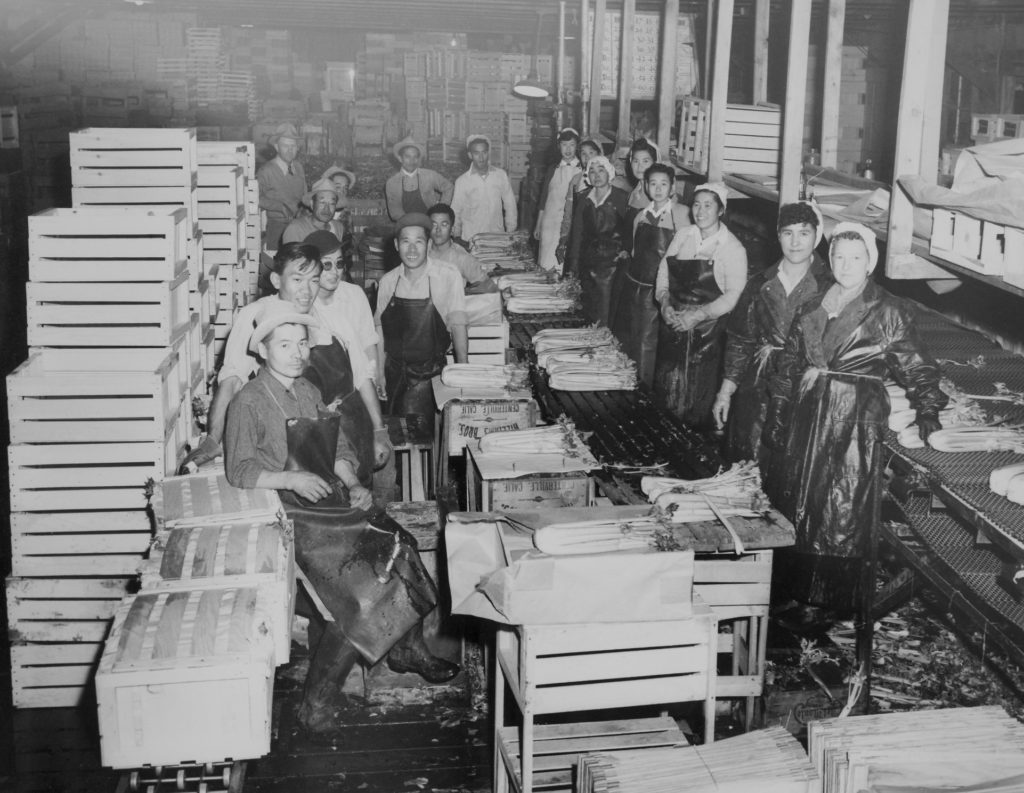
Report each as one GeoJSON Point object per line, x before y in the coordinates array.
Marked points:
{"type": "Point", "coordinates": [132, 290]}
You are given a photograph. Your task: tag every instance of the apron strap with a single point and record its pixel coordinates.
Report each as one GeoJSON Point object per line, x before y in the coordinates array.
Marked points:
{"type": "Point", "coordinates": [271, 394]}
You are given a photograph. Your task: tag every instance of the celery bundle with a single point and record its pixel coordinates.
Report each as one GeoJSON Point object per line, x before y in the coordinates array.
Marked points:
{"type": "Point", "coordinates": [597, 536]}
{"type": "Point", "coordinates": [542, 305]}
{"type": "Point", "coordinates": [561, 438]}
{"type": "Point", "coordinates": [736, 492]}
{"type": "Point", "coordinates": [1000, 478]}
{"type": "Point", "coordinates": [590, 378]}
{"type": "Point", "coordinates": [471, 375]}
{"type": "Point", "coordinates": [977, 439]}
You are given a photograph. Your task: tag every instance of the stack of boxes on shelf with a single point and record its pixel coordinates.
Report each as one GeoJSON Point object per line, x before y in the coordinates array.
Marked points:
{"type": "Point", "coordinates": [212, 620]}
{"type": "Point", "coordinates": [119, 303]}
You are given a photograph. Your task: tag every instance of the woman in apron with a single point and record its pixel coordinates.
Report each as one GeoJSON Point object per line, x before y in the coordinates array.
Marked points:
{"type": "Point", "coordinates": [642, 155]}
{"type": "Point", "coordinates": [699, 281]}
{"type": "Point", "coordinates": [598, 239]}
{"type": "Point", "coordinates": [589, 149]}
{"type": "Point", "coordinates": [552, 198]}
{"type": "Point", "coordinates": [363, 566]}
{"type": "Point", "coordinates": [635, 321]}
{"type": "Point", "coordinates": [827, 412]}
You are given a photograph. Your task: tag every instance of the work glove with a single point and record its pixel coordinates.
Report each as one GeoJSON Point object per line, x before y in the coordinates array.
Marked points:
{"type": "Point", "coordinates": [926, 425]}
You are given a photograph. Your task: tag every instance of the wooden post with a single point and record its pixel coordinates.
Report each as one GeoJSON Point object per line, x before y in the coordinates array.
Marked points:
{"type": "Point", "coordinates": [917, 131]}
{"type": "Point", "coordinates": [761, 27]}
{"type": "Point", "coordinates": [622, 130]}
{"type": "Point", "coordinates": [560, 87]}
{"type": "Point", "coordinates": [720, 89]}
{"type": "Point", "coordinates": [667, 80]}
{"type": "Point", "coordinates": [584, 69]}
{"type": "Point", "coordinates": [833, 81]}
{"type": "Point", "coordinates": [709, 47]}
{"type": "Point", "coordinates": [595, 67]}
{"type": "Point", "coordinates": [796, 95]}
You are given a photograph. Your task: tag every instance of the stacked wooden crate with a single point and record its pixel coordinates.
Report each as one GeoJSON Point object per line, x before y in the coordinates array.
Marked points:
{"type": "Point", "coordinates": [100, 407]}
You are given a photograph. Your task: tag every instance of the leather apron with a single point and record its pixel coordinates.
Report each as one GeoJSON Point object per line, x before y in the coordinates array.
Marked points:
{"type": "Point", "coordinates": [412, 200]}
{"type": "Point", "coordinates": [687, 373]}
{"type": "Point", "coordinates": [599, 249]}
{"type": "Point", "coordinates": [415, 343]}
{"type": "Point", "coordinates": [330, 370]}
{"type": "Point", "coordinates": [364, 566]}
{"type": "Point", "coordinates": [636, 323]}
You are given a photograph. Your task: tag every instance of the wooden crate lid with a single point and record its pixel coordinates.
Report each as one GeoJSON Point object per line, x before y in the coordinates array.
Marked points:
{"type": "Point", "coordinates": [196, 499]}
{"type": "Point", "coordinates": [213, 551]}
{"type": "Point", "coordinates": [165, 628]}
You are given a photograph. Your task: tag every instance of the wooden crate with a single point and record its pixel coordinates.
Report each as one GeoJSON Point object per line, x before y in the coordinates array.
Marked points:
{"type": "Point", "coordinates": [752, 139]}
{"type": "Point", "coordinates": [103, 157]}
{"type": "Point", "coordinates": [186, 676]}
{"type": "Point", "coordinates": [465, 421]}
{"type": "Point", "coordinates": [107, 314]}
{"type": "Point", "coordinates": [568, 489]}
{"type": "Point", "coordinates": [487, 343]}
{"type": "Point", "coordinates": [975, 244]}
{"type": "Point", "coordinates": [228, 153]}
{"type": "Point", "coordinates": [209, 352]}
{"type": "Point", "coordinates": [56, 544]}
{"type": "Point", "coordinates": [558, 747]}
{"type": "Point", "coordinates": [259, 554]}
{"type": "Point", "coordinates": [46, 477]}
{"type": "Point", "coordinates": [196, 499]}
{"type": "Point", "coordinates": [147, 197]}
{"type": "Point", "coordinates": [101, 400]}
{"type": "Point", "coordinates": [220, 192]}
{"type": "Point", "coordinates": [107, 244]}
{"type": "Point", "coordinates": [202, 302]}
{"type": "Point", "coordinates": [694, 133]}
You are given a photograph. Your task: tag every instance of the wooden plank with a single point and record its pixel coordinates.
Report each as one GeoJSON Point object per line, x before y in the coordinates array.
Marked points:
{"type": "Point", "coordinates": [796, 95]}
{"type": "Point", "coordinates": [621, 664]}
{"type": "Point", "coordinates": [68, 631]}
{"type": "Point", "coordinates": [580, 638]}
{"type": "Point", "coordinates": [48, 697]}
{"type": "Point", "coordinates": [667, 72]}
{"type": "Point", "coordinates": [66, 588]}
{"type": "Point", "coordinates": [85, 564]}
{"type": "Point", "coordinates": [762, 9]}
{"type": "Point", "coordinates": [622, 693]}
{"type": "Point", "coordinates": [64, 610]}
{"type": "Point", "coordinates": [597, 41]}
{"type": "Point", "coordinates": [71, 544]}
{"type": "Point", "coordinates": [832, 83]}
{"type": "Point", "coordinates": [79, 500]}
{"type": "Point", "coordinates": [720, 89]}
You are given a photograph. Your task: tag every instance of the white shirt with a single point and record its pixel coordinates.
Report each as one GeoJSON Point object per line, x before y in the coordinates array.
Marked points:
{"type": "Point", "coordinates": [483, 202]}
{"type": "Point", "coordinates": [352, 311]}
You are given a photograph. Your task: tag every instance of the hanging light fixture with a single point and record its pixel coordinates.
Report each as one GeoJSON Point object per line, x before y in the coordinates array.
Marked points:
{"type": "Point", "coordinates": [531, 87]}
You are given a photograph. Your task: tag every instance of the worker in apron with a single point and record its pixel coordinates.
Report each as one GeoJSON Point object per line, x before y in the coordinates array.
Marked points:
{"type": "Point", "coordinates": [413, 188]}
{"type": "Point", "coordinates": [589, 148]}
{"type": "Point", "coordinates": [552, 198]}
{"type": "Point", "coordinates": [363, 567]}
{"type": "Point", "coordinates": [699, 282]}
{"type": "Point", "coordinates": [636, 321]}
{"type": "Point", "coordinates": [421, 311]}
{"type": "Point", "coordinates": [597, 241]}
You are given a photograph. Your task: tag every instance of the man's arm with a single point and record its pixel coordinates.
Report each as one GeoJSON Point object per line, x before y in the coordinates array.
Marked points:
{"type": "Point", "coordinates": [508, 200]}
{"type": "Point", "coordinates": [458, 207]}
{"type": "Point", "coordinates": [460, 341]}
{"type": "Point", "coordinates": [226, 390]}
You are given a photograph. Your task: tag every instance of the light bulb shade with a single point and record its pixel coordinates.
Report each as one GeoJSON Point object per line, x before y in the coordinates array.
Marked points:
{"type": "Point", "coordinates": [531, 88]}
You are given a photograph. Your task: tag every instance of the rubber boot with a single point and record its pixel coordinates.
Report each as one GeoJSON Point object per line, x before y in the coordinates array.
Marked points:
{"type": "Point", "coordinates": [411, 654]}
{"type": "Point", "coordinates": [329, 665]}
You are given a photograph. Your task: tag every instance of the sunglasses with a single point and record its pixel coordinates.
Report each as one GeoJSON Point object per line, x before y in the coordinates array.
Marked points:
{"type": "Point", "coordinates": [330, 264]}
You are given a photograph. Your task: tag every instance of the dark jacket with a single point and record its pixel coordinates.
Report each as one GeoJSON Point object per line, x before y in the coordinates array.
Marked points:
{"type": "Point", "coordinates": [595, 229]}
{"type": "Point", "coordinates": [829, 381]}
{"type": "Point", "coordinates": [757, 329]}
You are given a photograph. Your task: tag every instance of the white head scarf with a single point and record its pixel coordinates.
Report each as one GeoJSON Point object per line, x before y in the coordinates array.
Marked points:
{"type": "Point", "coordinates": [821, 221]}
{"type": "Point", "coordinates": [866, 234]}
{"type": "Point", "coordinates": [718, 188]}
{"type": "Point", "coordinates": [602, 162]}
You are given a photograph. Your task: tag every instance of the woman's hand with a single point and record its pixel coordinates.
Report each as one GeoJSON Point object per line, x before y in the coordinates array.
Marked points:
{"type": "Point", "coordinates": [688, 319]}
{"type": "Point", "coordinates": [382, 447]}
{"type": "Point", "coordinates": [720, 410]}
{"type": "Point", "coordinates": [309, 486]}
{"type": "Point", "coordinates": [359, 497]}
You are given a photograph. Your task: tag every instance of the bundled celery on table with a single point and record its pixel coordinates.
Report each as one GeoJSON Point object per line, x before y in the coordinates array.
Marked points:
{"type": "Point", "coordinates": [589, 377]}
{"type": "Point", "coordinates": [580, 342]}
{"type": "Point", "coordinates": [561, 438]}
{"type": "Point", "coordinates": [1000, 478]}
{"type": "Point", "coordinates": [508, 280]}
{"type": "Point", "coordinates": [542, 305]}
{"type": "Point", "coordinates": [978, 439]}
{"type": "Point", "coordinates": [599, 536]}
{"type": "Point", "coordinates": [733, 493]}
{"type": "Point", "coordinates": [472, 375]}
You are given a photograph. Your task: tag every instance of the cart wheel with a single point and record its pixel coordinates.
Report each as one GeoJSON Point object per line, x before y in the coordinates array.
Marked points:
{"type": "Point", "coordinates": [180, 779]}
{"type": "Point", "coordinates": [133, 780]}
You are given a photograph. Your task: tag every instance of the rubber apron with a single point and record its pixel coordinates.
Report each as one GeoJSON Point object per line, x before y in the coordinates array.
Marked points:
{"type": "Point", "coordinates": [687, 372]}
{"type": "Point", "coordinates": [636, 315]}
{"type": "Point", "coordinates": [364, 567]}
{"type": "Point", "coordinates": [599, 250]}
{"type": "Point", "coordinates": [412, 200]}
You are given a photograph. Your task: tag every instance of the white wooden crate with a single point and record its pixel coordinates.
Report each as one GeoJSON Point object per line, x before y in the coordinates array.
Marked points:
{"type": "Point", "coordinates": [202, 302]}
{"type": "Point", "coordinates": [48, 477]}
{"type": "Point", "coordinates": [107, 244]}
{"type": "Point", "coordinates": [198, 499]}
{"type": "Point", "coordinates": [227, 256]}
{"type": "Point", "coordinates": [223, 152]}
{"type": "Point", "coordinates": [107, 314]}
{"type": "Point", "coordinates": [752, 139]}
{"type": "Point", "coordinates": [194, 348]}
{"type": "Point", "coordinates": [132, 157]}
{"type": "Point", "coordinates": [148, 197]}
{"type": "Point", "coordinates": [209, 352]}
{"type": "Point", "coordinates": [259, 554]}
{"type": "Point", "coordinates": [487, 344]}
{"type": "Point", "coordinates": [975, 244]}
{"type": "Point", "coordinates": [220, 192]}
{"type": "Point", "coordinates": [52, 544]}
{"type": "Point", "coordinates": [186, 676]}
{"type": "Point", "coordinates": [54, 398]}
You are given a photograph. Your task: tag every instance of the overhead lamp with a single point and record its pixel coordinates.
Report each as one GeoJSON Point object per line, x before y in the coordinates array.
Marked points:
{"type": "Point", "coordinates": [531, 87]}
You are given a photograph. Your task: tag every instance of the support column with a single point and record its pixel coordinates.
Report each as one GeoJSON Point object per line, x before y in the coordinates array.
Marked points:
{"type": "Point", "coordinates": [667, 79]}
{"type": "Point", "coordinates": [833, 82]}
{"type": "Point", "coordinates": [796, 96]}
{"type": "Point", "coordinates": [595, 68]}
{"type": "Point", "coordinates": [761, 27]}
{"type": "Point", "coordinates": [719, 89]}
{"type": "Point", "coordinates": [626, 69]}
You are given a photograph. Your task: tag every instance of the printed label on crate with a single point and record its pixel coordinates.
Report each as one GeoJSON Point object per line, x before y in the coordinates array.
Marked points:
{"type": "Point", "coordinates": [467, 421]}
{"type": "Point", "coordinates": [551, 491]}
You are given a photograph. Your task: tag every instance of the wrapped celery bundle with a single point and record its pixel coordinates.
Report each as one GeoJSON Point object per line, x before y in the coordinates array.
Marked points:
{"type": "Point", "coordinates": [561, 438]}
{"type": "Point", "coordinates": [733, 493]}
{"type": "Point", "coordinates": [1000, 478]}
{"type": "Point", "coordinates": [542, 305]}
{"type": "Point", "coordinates": [597, 536]}
{"type": "Point", "coordinates": [607, 358]}
{"type": "Point", "coordinates": [568, 377]}
{"type": "Point", "coordinates": [470, 375]}
{"type": "Point", "coordinates": [977, 439]}
{"type": "Point", "coordinates": [562, 340]}
{"type": "Point", "coordinates": [509, 280]}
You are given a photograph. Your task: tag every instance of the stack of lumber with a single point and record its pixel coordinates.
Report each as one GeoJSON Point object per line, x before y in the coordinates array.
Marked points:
{"type": "Point", "coordinates": [761, 761]}
{"type": "Point", "coordinates": [101, 406]}
{"type": "Point", "coordinates": [977, 749]}
{"type": "Point", "coordinates": [212, 620]}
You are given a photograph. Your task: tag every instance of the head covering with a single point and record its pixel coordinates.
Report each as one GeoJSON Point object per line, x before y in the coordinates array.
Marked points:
{"type": "Point", "coordinates": [405, 143]}
{"type": "Point", "coordinates": [284, 131]}
{"type": "Point", "coordinates": [602, 162]}
{"type": "Point", "coordinates": [866, 235]}
{"type": "Point", "coordinates": [594, 142]}
{"type": "Point", "coordinates": [474, 138]}
{"type": "Point", "coordinates": [568, 133]}
{"type": "Point", "coordinates": [323, 240]}
{"type": "Point", "coordinates": [821, 221]}
{"type": "Point", "coordinates": [321, 185]}
{"type": "Point", "coordinates": [413, 219]}
{"type": "Point", "coordinates": [718, 188]}
{"type": "Point", "coordinates": [334, 170]}
{"type": "Point", "coordinates": [643, 144]}
{"type": "Point", "coordinates": [274, 314]}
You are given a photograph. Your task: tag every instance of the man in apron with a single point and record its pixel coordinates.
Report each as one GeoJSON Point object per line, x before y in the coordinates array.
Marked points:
{"type": "Point", "coordinates": [421, 310]}
{"type": "Point", "coordinates": [413, 189]}
{"type": "Point", "coordinates": [363, 566]}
